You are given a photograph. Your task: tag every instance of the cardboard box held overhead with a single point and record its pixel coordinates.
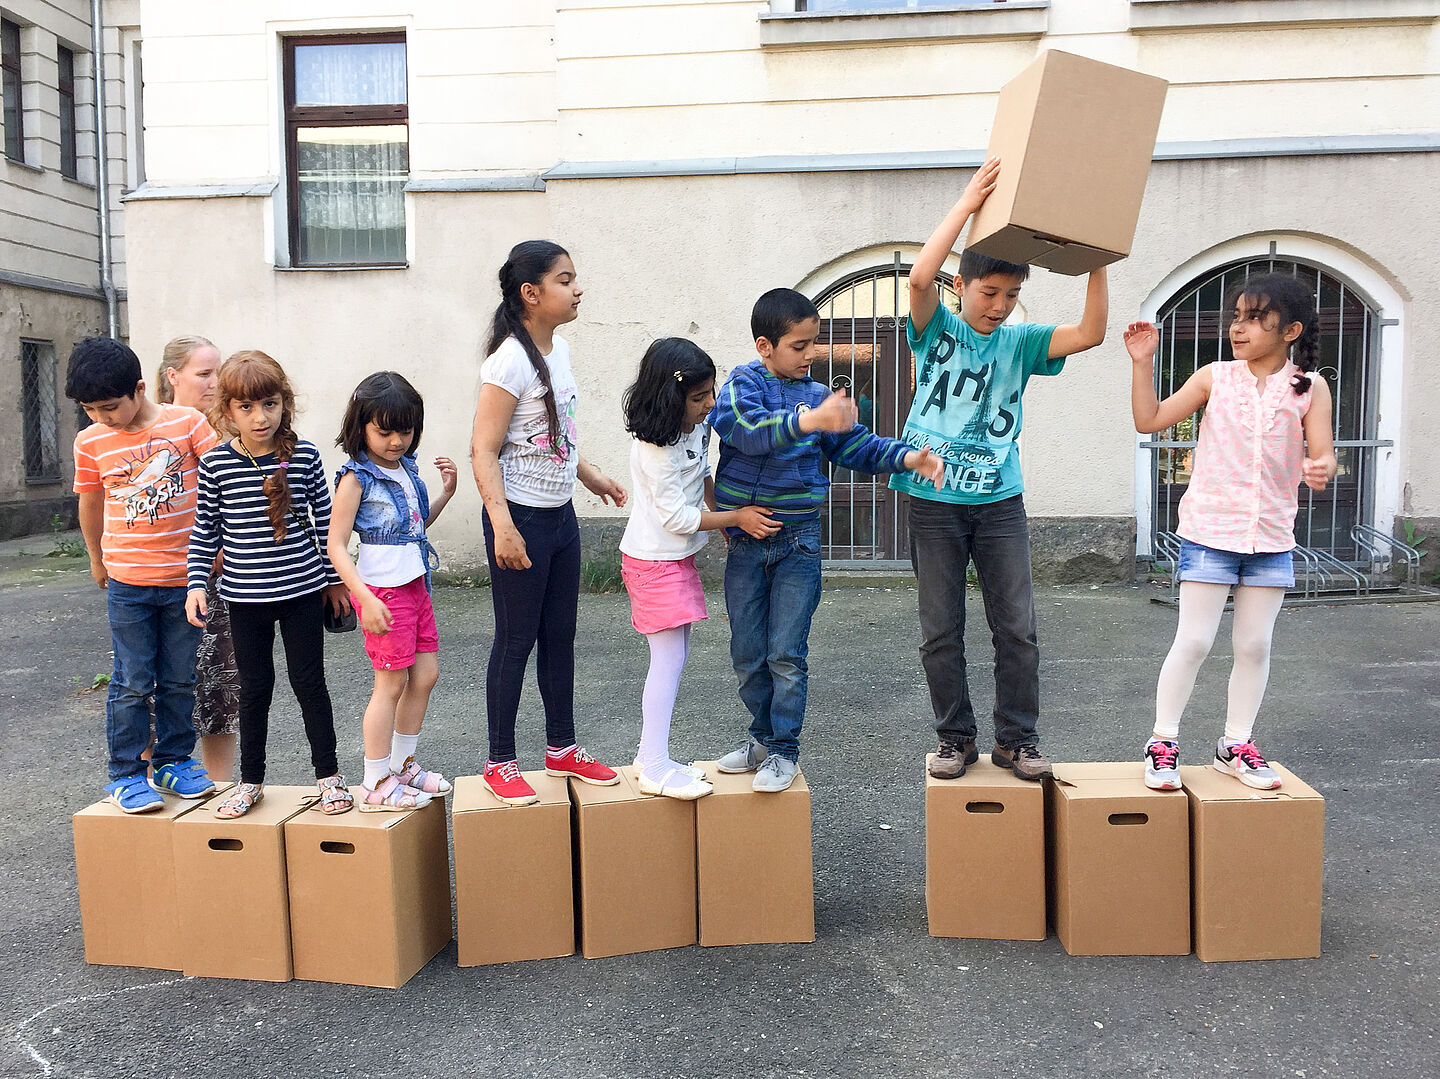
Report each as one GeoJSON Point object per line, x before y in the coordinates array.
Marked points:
{"type": "Point", "coordinates": [1258, 859]}
{"type": "Point", "coordinates": [235, 919]}
{"type": "Point", "coordinates": [527, 911]}
{"type": "Point", "coordinates": [369, 894]}
{"type": "Point", "coordinates": [1121, 862]}
{"type": "Point", "coordinates": [756, 870]}
{"type": "Point", "coordinates": [985, 855]}
{"type": "Point", "coordinates": [1075, 138]}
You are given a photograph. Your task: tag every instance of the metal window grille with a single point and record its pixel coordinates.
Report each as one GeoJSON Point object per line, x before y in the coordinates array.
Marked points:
{"type": "Point", "coordinates": [39, 403]}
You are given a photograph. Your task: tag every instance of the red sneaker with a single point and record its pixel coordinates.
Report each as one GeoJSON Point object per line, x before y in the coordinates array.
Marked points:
{"type": "Point", "coordinates": [507, 784]}
{"type": "Point", "coordinates": [582, 766]}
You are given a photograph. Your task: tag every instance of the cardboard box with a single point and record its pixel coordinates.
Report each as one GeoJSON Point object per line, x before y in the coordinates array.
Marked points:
{"type": "Point", "coordinates": [1121, 862]}
{"type": "Point", "coordinates": [235, 922]}
{"type": "Point", "coordinates": [1258, 860]}
{"type": "Point", "coordinates": [125, 870]}
{"type": "Point", "coordinates": [755, 867]}
{"type": "Point", "coordinates": [527, 912]}
{"type": "Point", "coordinates": [1075, 138]}
{"type": "Point", "coordinates": [985, 855]}
{"type": "Point", "coordinates": [369, 894]}
{"type": "Point", "coordinates": [635, 858]}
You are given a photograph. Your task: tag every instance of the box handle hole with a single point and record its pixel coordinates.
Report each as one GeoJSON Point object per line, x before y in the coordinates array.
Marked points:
{"type": "Point", "coordinates": [226, 844]}
{"type": "Point", "coordinates": [1129, 818]}
{"type": "Point", "coordinates": [329, 846]}
{"type": "Point", "coordinates": [984, 807]}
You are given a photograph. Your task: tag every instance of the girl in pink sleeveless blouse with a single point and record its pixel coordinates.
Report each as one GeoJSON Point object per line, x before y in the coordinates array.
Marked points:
{"type": "Point", "coordinates": [1266, 428]}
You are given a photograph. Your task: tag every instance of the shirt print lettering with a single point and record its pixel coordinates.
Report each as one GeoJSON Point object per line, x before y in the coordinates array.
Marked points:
{"type": "Point", "coordinates": [973, 464]}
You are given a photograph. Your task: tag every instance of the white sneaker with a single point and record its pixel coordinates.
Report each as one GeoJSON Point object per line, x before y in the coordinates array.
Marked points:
{"type": "Point", "coordinates": [675, 784]}
{"type": "Point", "coordinates": [775, 774]}
{"type": "Point", "coordinates": [688, 769]}
{"type": "Point", "coordinates": [1162, 764]}
{"type": "Point", "coordinates": [746, 758]}
{"type": "Point", "coordinates": [1243, 761]}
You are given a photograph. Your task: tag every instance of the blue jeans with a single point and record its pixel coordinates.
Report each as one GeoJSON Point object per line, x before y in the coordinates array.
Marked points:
{"type": "Point", "coordinates": [154, 653]}
{"type": "Point", "coordinates": [772, 587]}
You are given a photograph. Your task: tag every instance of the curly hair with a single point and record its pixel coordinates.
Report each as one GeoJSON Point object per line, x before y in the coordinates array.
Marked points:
{"type": "Point", "coordinates": [1285, 296]}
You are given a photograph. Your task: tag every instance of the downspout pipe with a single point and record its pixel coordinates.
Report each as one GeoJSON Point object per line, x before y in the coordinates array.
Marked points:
{"type": "Point", "coordinates": [102, 169]}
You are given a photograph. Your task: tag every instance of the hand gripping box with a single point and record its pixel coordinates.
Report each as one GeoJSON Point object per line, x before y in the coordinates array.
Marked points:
{"type": "Point", "coordinates": [236, 922]}
{"type": "Point", "coordinates": [1120, 862]}
{"type": "Point", "coordinates": [1258, 860]}
{"type": "Point", "coordinates": [1075, 138]}
{"type": "Point", "coordinates": [514, 891]}
{"type": "Point", "coordinates": [635, 856]}
{"type": "Point", "coordinates": [756, 870]}
{"type": "Point", "coordinates": [369, 894]}
{"type": "Point", "coordinates": [985, 855]}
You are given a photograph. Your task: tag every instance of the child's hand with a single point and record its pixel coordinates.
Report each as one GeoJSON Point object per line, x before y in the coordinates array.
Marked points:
{"type": "Point", "coordinates": [980, 185]}
{"type": "Point", "coordinates": [376, 618]}
{"type": "Point", "coordinates": [757, 521]}
{"type": "Point", "coordinates": [338, 596]}
{"type": "Point", "coordinates": [928, 465]}
{"type": "Point", "coordinates": [100, 573]}
{"type": "Point", "coordinates": [195, 607]}
{"type": "Point", "coordinates": [449, 474]}
{"type": "Point", "coordinates": [1317, 473]}
{"type": "Point", "coordinates": [510, 549]}
{"type": "Point", "coordinates": [606, 488]}
{"type": "Point", "coordinates": [1141, 341]}
{"type": "Point", "coordinates": [836, 413]}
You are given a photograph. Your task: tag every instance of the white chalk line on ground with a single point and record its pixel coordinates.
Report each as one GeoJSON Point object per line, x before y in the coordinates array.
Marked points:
{"type": "Point", "coordinates": [46, 1068]}
{"type": "Point", "coordinates": [1403, 663]}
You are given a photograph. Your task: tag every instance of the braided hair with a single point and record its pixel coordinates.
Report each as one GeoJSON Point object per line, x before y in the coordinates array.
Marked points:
{"type": "Point", "coordinates": [1288, 298]}
{"type": "Point", "coordinates": [250, 375]}
{"type": "Point", "coordinates": [527, 263]}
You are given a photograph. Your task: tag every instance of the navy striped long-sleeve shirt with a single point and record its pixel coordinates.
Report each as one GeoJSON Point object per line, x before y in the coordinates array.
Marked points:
{"type": "Point", "coordinates": [230, 516]}
{"type": "Point", "coordinates": [766, 460]}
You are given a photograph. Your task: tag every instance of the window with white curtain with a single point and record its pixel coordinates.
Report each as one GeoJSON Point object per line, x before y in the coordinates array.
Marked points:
{"type": "Point", "coordinates": [347, 149]}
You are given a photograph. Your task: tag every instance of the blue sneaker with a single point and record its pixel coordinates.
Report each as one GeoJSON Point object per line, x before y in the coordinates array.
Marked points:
{"type": "Point", "coordinates": [185, 779]}
{"type": "Point", "coordinates": [134, 795]}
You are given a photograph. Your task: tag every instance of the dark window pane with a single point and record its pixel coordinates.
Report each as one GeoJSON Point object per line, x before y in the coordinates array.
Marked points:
{"type": "Point", "coordinates": [352, 203]}
{"type": "Point", "coordinates": [69, 166]}
{"type": "Point", "coordinates": [14, 108]}
{"type": "Point", "coordinates": [361, 74]}
{"type": "Point", "coordinates": [38, 402]}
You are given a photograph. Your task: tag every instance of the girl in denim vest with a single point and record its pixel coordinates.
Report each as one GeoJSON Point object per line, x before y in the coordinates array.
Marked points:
{"type": "Point", "coordinates": [379, 495]}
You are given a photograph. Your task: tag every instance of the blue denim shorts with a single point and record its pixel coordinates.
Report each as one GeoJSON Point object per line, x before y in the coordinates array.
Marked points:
{"type": "Point", "coordinates": [1267, 569]}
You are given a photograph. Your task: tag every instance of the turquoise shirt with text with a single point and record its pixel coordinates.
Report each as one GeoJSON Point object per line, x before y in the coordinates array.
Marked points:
{"type": "Point", "coordinates": [967, 410]}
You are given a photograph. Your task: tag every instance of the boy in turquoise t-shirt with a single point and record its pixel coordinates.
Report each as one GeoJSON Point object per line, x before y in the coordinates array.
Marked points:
{"type": "Point", "coordinates": [971, 372]}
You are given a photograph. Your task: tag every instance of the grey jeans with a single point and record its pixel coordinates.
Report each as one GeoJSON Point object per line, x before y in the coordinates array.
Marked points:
{"type": "Point", "coordinates": [944, 539]}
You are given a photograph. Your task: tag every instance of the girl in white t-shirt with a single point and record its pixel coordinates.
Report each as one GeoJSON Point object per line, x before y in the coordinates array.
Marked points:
{"type": "Point", "coordinates": [526, 463]}
{"type": "Point", "coordinates": [665, 409]}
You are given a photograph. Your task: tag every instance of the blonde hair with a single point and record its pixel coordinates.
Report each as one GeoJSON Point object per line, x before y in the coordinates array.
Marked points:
{"type": "Point", "coordinates": [174, 358]}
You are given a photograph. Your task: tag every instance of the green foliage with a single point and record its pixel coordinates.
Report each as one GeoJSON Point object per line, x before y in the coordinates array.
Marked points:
{"type": "Point", "coordinates": [601, 575]}
{"type": "Point", "coordinates": [65, 546]}
{"type": "Point", "coordinates": [99, 682]}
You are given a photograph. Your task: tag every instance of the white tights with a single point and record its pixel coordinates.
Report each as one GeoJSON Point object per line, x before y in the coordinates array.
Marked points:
{"type": "Point", "coordinates": [669, 649]}
{"type": "Point", "coordinates": [1201, 606]}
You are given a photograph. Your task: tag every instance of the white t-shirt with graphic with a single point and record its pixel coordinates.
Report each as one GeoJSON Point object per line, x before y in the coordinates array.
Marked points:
{"type": "Point", "coordinates": [535, 472]}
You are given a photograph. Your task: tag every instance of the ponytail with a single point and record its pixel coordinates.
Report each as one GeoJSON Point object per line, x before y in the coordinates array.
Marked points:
{"type": "Point", "coordinates": [527, 263]}
{"type": "Point", "coordinates": [1305, 354]}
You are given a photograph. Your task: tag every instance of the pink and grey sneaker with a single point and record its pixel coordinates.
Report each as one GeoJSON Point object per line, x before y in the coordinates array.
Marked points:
{"type": "Point", "coordinates": [1162, 765]}
{"type": "Point", "coordinates": [1243, 761]}
{"type": "Point", "coordinates": [412, 775]}
{"type": "Point", "coordinates": [507, 784]}
{"type": "Point", "coordinates": [576, 762]}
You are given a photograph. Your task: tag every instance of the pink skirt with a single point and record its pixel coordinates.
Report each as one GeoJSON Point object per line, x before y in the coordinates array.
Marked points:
{"type": "Point", "coordinates": [663, 595]}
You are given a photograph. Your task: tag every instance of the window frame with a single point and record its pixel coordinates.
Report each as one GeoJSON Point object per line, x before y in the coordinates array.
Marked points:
{"type": "Point", "coordinates": [45, 378]}
{"type": "Point", "coordinates": [298, 116]}
{"type": "Point", "coordinates": [14, 88]}
{"type": "Point", "coordinates": [65, 83]}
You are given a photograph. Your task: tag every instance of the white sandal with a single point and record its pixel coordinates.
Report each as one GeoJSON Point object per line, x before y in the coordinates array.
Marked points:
{"type": "Point", "coordinates": [675, 783]}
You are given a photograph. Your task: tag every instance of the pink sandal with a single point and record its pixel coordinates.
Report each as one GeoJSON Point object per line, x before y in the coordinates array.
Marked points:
{"type": "Point", "coordinates": [391, 795]}
{"type": "Point", "coordinates": [412, 775]}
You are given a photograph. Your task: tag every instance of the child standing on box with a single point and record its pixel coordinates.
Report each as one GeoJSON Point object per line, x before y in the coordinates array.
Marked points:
{"type": "Point", "coordinates": [526, 462]}
{"type": "Point", "coordinates": [135, 469]}
{"type": "Point", "coordinates": [972, 369]}
{"type": "Point", "coordinates": [665, 409]}
{"type": "Point", "coordinates": [380, 495]}
{"type": "Point", "coordinates": [1266, 428]}
{"type": "Point", "coordinates": [777, 426]}
{"type": "Point", "coordinates": [263, 500]}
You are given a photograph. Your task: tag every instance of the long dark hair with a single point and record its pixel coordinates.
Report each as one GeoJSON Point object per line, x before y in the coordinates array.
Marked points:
{"type": "Point", "coordinates": [387, 399]}
{"type": "Point", "coordinates": [527, 264]}
{"type": "Point", "coordinates": [1285, 296]}
{"type": "Point", "coordinates": [251, 375]}
{"type": "Point", "coordinates": [654, 405]}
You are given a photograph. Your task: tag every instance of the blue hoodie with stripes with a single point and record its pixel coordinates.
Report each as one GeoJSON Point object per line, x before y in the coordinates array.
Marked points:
{"type": "Point", "coordinates": [766, 460]}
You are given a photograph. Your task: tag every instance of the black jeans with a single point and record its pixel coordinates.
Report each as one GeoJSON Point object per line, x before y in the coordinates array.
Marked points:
{"type": "Point", "coordinates": [302, 631]}
{"type": "Point", "coordinates": [534, 606]}
{"type": "Point", "coordinates": [944, 539]}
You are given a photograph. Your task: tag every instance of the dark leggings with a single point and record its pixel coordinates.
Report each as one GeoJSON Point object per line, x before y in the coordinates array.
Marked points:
{"type": "Point", "coordinates": [302, 631]}
{"type": "Point", "coordinates": [534, 606]}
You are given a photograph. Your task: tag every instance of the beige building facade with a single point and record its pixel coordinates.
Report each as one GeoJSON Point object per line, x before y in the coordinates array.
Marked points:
{"type": "Point", "coordinates": [692, 155]}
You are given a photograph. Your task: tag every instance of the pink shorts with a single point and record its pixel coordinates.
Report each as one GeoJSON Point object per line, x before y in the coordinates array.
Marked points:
{"type": "Point", "coordinates": [412, 627]}
{"type": "Point", "coordinates": [663, 595]}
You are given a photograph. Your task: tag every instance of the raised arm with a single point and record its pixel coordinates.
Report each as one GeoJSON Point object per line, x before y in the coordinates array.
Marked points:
{"type": "Point", "coordinates": [1068, 340]}
{"type": "Point", "coordinates": [924, 295]}
{"type": "Point", "coordinates": [1151, 414]}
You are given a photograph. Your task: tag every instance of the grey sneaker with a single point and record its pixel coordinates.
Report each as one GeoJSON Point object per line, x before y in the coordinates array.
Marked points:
{"type": "Point", "coordinates": [951, 758]}
{"type": "Point", "coordinates": [775, 774]}
{"type": "Point", "coordinates": [746, 758]}
{"type": "Point", "coordinates": [1243, 761]}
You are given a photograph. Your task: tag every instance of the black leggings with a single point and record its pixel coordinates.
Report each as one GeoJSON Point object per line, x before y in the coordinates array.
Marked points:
{"type": "Point", "coordinates": [535, 605]}
{"type": "Point", "coordinates": [302, 631]}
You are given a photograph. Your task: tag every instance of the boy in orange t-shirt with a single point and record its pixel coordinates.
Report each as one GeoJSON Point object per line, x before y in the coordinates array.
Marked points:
{"type": "Point", "coordinates": [135, 469]}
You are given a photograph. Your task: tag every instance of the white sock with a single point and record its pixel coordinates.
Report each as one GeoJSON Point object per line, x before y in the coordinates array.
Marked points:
{"type": "Point", "coordinates": [402, 748]}
{"type": "Point", "coordinates": [668, 651]}
{"type": "Point", "coordinates": [1255, 613]}
{"type": "Point", "coordinates": [376, 770]}
{"type": "Point", "coordinates": [1201, 606]}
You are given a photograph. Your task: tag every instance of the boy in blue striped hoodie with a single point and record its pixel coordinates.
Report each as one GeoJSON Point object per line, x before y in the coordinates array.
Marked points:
{"type": "Point", "coordinates": [775, 424]}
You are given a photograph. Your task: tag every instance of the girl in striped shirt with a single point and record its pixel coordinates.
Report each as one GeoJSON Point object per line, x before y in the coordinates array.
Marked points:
{"type": "Point", "coordinates": [263, 501]}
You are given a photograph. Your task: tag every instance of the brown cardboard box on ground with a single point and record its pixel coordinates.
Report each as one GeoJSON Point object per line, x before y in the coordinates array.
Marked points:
{"type": "Point", "coordinates": [1258, 862]}
{"type": "Point", "coordinates": [1121, 862]}
{"type": "Point", "coordinates": [235, 921]}
{"type": "Point", "coordinates": [755, 867]}
{"type": "Point", "coordinates": [1075, 138]}
{"type": "Point", "coordinates": [635, 857]}
{"type": "Point", "coordinates": [528, 910]}
{"type": "Point", "coordinates": [369, 894]}
{"type": "Point", "coordinates": [125, 869]}
{"type": "Point", "coordinates": [985, 855]}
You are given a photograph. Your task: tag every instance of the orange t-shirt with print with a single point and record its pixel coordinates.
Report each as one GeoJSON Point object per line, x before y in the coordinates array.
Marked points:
{"type": "Point", "coordinates": [148, 477]}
